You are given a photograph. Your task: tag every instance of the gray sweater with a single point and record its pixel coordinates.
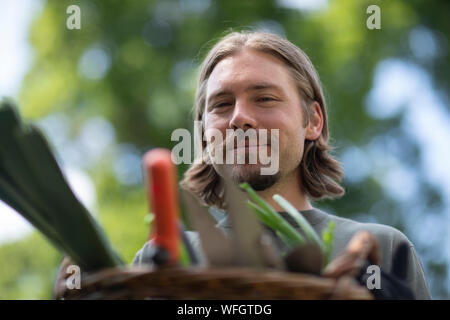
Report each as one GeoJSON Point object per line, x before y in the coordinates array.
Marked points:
{"type": "Point", "coordinates": [388, 240]}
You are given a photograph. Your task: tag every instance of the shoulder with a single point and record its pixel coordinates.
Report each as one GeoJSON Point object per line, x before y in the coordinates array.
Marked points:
{"type": "Point", "coordinates": [381, 232]}
{"type": "Point", "coordinates": [388, 238]}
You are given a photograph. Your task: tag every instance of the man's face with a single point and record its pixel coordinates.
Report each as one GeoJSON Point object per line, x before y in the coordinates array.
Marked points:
{"type": "Point", "coordinates": [254, 90]}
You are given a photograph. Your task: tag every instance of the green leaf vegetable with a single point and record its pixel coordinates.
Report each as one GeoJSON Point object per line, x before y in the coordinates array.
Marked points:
{"type": "Point", "coordinates": [271, 218]}
{"type": "Point", "coordinates": [298, 217]}
{"type": "Point", "coordinates": [33, 184]}
{"type": "Point", "coordinates": [287, 233]}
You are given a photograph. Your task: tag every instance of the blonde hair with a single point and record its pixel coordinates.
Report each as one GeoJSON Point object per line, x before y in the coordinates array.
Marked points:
{"type": "Point", "coordinates": [320, 173]}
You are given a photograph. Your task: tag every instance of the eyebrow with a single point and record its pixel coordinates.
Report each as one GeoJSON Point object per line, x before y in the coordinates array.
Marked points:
{"type": "Point", "coordinates": [262, 86]}
{"type": "Point", "coordinates": [255, 87]}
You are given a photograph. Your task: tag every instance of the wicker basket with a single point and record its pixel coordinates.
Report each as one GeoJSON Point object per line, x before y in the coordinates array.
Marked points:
{"type": "Point", "coordinates": [210, 283]}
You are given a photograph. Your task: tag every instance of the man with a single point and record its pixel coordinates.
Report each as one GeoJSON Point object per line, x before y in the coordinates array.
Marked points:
{"type": "Point", "coordinates": [253, 80]}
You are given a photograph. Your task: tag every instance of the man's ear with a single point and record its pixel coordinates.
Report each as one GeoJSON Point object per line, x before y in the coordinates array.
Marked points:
{"type": "Point", "coordinates": [315, 124]}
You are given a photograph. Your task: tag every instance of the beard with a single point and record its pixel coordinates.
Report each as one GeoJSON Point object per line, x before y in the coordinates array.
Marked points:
{"type": "Point", "coordinates": [248, 172]}
{"type": "Point", "coordinates": [251, 174]}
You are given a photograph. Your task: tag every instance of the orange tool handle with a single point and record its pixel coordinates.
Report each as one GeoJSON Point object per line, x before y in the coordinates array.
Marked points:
{"type": "Point", "coordinates": [163, 199]}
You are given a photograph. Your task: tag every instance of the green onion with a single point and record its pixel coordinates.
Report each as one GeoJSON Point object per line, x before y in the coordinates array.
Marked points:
{"type": "Point", "coordinates": [273, 219]}
{"type": "Point", "coordinates": [298, 217]}
{"type": "Point", "coordinates": [32, 183]}
{"type": "Point", "coordinates": [291, 242]}
{"type": "Point", "coordinates": [261, 214]}
{"type": "Point", "coordinates": [288, 234]}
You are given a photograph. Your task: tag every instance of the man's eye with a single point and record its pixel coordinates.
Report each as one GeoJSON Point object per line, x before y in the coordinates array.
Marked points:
{"type": "Point", "coordinates": [265, 99]}
{"type": "Point", "coordinates": [221, 105]}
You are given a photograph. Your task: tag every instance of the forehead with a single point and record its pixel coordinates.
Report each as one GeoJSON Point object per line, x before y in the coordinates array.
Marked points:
{"type": "Point", "coordinates": [247, 68]}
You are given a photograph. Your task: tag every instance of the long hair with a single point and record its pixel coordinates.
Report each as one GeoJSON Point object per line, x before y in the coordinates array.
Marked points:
{"type": "Point", "coordinates": [320, 173]}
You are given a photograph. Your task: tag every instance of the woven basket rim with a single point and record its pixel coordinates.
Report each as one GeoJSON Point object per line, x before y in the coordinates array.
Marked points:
{"type": "Point", "coordinates": [140, 282]}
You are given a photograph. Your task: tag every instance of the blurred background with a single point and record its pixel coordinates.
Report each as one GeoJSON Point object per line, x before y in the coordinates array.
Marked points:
{"type": "Point", "coordinates": [121, 84]}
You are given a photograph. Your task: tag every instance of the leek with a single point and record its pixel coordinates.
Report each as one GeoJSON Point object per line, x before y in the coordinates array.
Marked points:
{"type": "Point", "coordinates": [32, 183]}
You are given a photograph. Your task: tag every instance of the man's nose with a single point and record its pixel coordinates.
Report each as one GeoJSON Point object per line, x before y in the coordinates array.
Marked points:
{"type": "Point", "coordinates": [243, 116]}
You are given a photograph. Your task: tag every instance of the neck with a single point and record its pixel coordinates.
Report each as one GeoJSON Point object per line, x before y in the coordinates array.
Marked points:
{"type": "Point", "coordinates": [290, 189]}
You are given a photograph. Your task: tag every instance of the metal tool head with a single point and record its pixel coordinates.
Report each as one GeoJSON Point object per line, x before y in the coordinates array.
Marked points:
{"type": "Point", "coordinates": [250, 248]}
{"type": "Point", "coordinates": [216, 245]}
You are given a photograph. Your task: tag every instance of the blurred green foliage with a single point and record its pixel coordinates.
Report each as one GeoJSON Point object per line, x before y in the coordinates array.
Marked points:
{"type": "Point", "coordinates": [134, 64]}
